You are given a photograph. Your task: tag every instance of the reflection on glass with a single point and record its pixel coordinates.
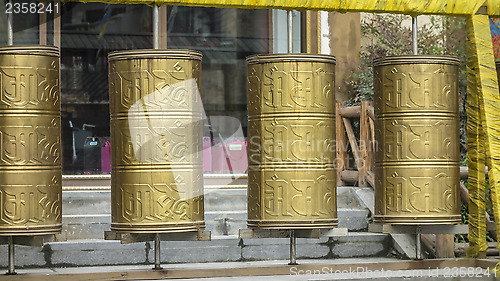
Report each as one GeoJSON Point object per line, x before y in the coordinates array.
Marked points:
{"type": "Point", "coordinates": [89, 31]}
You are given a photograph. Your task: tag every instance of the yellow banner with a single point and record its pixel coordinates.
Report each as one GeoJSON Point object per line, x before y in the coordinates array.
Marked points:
{"type": "Point", "coordinates": [412, 7]}
{"type": "Point", "coordinates": [484, 97]}
{"type": "Point", "coordinates": [493, 8]}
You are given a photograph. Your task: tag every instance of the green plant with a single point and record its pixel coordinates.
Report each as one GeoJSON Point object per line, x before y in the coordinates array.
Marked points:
{"type": "Point", "coordinates": [388, 35]}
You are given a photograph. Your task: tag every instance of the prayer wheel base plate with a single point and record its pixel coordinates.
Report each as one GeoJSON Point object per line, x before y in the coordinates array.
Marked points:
{"type": "Point", "coordinates": [31, 231]}
{"type": "Point", "coordinates": [127, 238]}
{"type": "Point", "coordinates": [424, 229]}
{"type": "Point", "coordinates": [448, 220]}
{"type": "Point", "coordinates": [295, 224]}
{"type": "Point", "coordinates": [314, 233]}
{"type": "Point", "coordinates": [157, 228]}
{"type": "Point", "coordinates": [28, 240]}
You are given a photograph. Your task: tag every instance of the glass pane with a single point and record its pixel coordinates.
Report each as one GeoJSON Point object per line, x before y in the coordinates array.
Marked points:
{"type": "Point", "coordinates": [224, 36]}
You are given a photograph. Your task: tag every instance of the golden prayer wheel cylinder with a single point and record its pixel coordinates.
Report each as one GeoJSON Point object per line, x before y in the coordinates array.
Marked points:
{"type": "Point", "coordinates": [30, 129]}
{"type": "Point", "coordinates": [417, 172]}
{"type": "Point", "coordinates": [291, 141]}
{"type": "Point", "coordinates": [156, 134]}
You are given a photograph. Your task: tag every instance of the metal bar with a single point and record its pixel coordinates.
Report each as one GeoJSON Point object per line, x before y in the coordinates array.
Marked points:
{"type": "Point", "coordinates": [57, 24]}
{"type": "Point", "coordinates": [414, 35]}
{"type": "Point", "coordinates": [163, 26]}
{"type": "Point", "coordinates": [12, 269]}
{"type": "Point", "coordinates": [42, 29]}
{"type": "Point", "coordinates": [157, 252]}
{"type": "Point", "coordinates": [10, 31]}
{"type": "Point", "coordinates": [290, 30]}
{"type": "Point", "coordinates": [293, 248]}
{"type": "Point", "coordinates": [156, 27]}
{"type": "Point", "coordinates": [418, 244]}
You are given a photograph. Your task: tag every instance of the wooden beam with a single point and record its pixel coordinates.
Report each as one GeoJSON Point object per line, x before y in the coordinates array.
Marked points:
{"type": "Point", "coordinates": [363, 144]}
{"type": "Point", "coordinates": [341, 144]}
{"type": "Point", "coordinates": [352, 141]}
{"type": "Point", "coordinates": [350, 111]}
{"type": "Point", "coordinates": [349, 176]}
{"type": "Point", "coordinates": [371, 112]}
{"type": "Point", "coordinates": [248, 269]}
{"type": "Point", "coordinates": [370, 178]}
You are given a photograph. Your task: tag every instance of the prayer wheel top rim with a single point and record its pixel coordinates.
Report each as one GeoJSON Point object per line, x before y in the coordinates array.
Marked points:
{"type": "Point", "coordinates": [416, 59]}
{"type": "Point", "coordinates": [154, 53]}
{"type": "Point", "coordinates": [263, 58]}
{"type": "Point", "coordinates": [29, 50]}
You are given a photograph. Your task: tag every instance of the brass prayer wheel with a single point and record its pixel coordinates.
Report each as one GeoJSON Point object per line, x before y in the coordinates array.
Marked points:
{"type": "Point", "coordinates": [30, 129]}
{"type": "Point", "coordinates": [291, 141]}
{"type": "Point", "coordinates": [156, 141]}
{"type": "Point", "coordinates": [417, 172]}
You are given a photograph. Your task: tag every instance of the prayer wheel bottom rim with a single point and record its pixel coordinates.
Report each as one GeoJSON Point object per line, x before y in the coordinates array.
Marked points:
{"type": "Point", "coordinates": [31, 230]}
{"type": "Point", "coordinates": [158, 228]}
{"type": "Point", "coordinates": [418, 220]}
{"type": "Point", "coordinates": [292, 224]}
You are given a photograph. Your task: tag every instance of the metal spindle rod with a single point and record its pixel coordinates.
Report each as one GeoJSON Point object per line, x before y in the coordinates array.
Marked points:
{"type": "Point", "coordinates": [157, 252]}
{"type": "Point", "coordinates": [418, 246]}
{"type": "Point", "coordinates": [10, 31]}
{"type": "Point", "coordinates": [156, 27]}
{"type": "Point", "coordinates": [12, 269]}
{"type": "Point", "coordinates": [414, 35]}
{"type": "Point", "coordinates": [293, 248]}
{"type": "Point", "coordinates": [290, 31]}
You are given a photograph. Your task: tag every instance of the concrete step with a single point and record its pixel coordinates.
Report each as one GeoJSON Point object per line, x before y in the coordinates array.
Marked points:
{"type": "Point", "coordinates": [86, 214]}
{"type": "Point", "coordinates": [86, 202]}
{"type": "Point", "coordinates": [225, 248]}
{"type": "Point", "coordinates": [85, 226]}
{"type": "Point", "coordinates": [220, 223]}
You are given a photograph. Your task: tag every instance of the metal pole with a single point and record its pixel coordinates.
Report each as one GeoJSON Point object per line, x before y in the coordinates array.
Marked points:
{"type": "Point", "coordinates": [290, 31]}
{"type": "Point", "coordinates": [293, 248]}
{"type": "Point", "coordinates": [12, 269]}
{"type": "Point", "coordinates": [418, 247]}
{"type": "Point", "coordinates": [10, 31]}
{"type": "Point", "coordinates": [157, 252]}
{"type": "Point", "coordinates": [156, 27]}
{"type": "Point", "coordinates": [414, 35]}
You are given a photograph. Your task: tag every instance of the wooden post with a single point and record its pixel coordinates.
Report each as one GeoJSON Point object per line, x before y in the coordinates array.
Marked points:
{"type": "Point", "coordinates": [445, 245]}
{"type": "Point", "coordinates": [370, 149]}
{"type": "Point", "coordinates": [363, 144]}
{"type": "Point", "coordinates": [341, 143]}
{"type": "Point", "coordinates": [352, 140]}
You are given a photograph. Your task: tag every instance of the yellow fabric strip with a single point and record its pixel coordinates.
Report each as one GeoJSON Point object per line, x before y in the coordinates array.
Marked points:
{"type": "Point", "coordinates": [482, 61]}
{"type": "Point", "coordinates": [412, 7]}
{"type": "Point", "coordinates": [475, 156]}
{"type": "Point", "coordinates": [493, 8]}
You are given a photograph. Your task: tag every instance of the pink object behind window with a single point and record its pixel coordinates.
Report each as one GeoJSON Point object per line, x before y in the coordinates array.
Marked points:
{"type": "Point", "coordinates": [106, 158]}
{"type": "Point", "coordinates": [233, 159]}
{"type": "Point", "coordinates": [207, 155]}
